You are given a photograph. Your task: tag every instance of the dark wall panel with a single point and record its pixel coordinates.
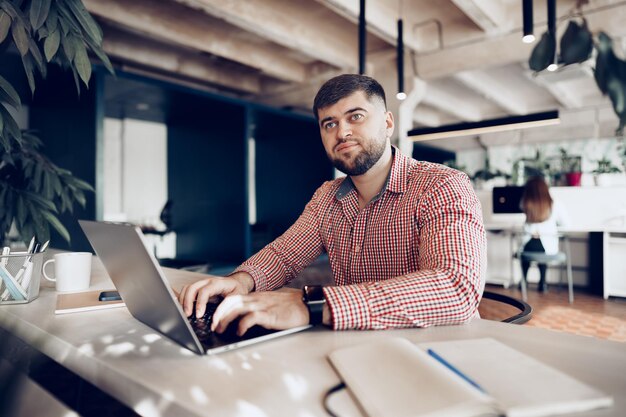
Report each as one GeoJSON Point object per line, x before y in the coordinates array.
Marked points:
{"type": "Point", "coordinates": [207, 178]}
{"type": "Point", "coordinates": [290, 165]}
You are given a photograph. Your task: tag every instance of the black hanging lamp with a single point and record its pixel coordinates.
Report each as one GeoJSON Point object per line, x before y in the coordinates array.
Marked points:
{"type": "Point", "coordinates": [527, 15]}
{"type": "Point", "coordinates": [362, 38]}
{"type": "Point", "coordinates": [400, 62]}
{"type": "Point", "coordinates": [552, 32]}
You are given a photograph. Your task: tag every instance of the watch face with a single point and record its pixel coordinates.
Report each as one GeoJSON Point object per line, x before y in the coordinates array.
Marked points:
{"type": "Point", "coordinates": [314, 293]}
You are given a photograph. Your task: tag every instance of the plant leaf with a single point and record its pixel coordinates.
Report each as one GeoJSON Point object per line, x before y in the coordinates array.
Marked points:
{"type": "Point", "coordinates": [1, 128]}
{"type": "Point", "coordinates": [67, 42]}
{"type": "Point", "coordinates": [20, 211]}
{"type": "Point", "coordinates": [39, 13]}
{"type": "Point", "coordinates": [30, 73]}
{"type": "Point", "coordinates": [51, 44]}
{"type": "Point", "coordinates": [5, 25]}
{"type": "Point", "coordinates": [8, 93]}
{"type": "Point", "coordinates": [83, 17]}
{"type": "Point", "coordinates": [36, 54]}
{"type": "Point", "coordinates": [101, 55]}
{"type": "Point", "coordinates": [56, 224]}
{"type": "Point", "coordinates": [10, 126]}
{"type": "Point", "coordinates": [82, 63]}
{"type": "Point", "coordinates": [20, 37]}
{"type": "Point", "coordinates": [52, 22]}
{"type": "Point", "coordinates": [82, 185]}
{"type": "Point", "coordinates": [47, 185]}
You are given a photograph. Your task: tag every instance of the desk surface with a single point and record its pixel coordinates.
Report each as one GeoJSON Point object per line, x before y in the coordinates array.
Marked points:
{"type": "Point", "coordinates": [283, 377]}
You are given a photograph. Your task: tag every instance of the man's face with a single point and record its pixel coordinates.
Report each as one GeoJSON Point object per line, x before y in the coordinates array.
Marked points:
{"type": "Point", "coordinates": [355, 132]}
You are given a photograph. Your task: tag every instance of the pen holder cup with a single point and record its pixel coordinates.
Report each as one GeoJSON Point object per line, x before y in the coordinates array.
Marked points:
{"type": "Point", "coordinates": [20, 274]}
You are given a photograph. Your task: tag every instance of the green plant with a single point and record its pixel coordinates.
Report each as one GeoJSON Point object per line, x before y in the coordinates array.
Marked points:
{"type": "Point", "coordinates": [569, 163]}
{"type": "Point", "coordinates": [33, 191]}
{"type": "Point", "coordinates": [576, 46]}
{"type": "Point", "coordinates": [605, 166]}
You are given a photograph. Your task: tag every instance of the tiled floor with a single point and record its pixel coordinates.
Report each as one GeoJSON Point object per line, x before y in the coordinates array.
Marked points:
{"type": "Point", "coordinates": [589, 315]}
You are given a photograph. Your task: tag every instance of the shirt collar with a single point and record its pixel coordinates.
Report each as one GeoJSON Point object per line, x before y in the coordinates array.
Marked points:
{"type": "Point", "coordinates": [396, 180]}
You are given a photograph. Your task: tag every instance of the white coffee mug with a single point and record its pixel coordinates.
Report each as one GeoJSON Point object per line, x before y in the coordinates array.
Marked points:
{"type": "Point", "coordinates": [72, 271]}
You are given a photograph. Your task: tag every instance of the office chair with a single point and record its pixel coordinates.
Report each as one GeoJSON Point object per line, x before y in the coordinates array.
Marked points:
{"type": "Point", "coordinates": [559, 258]}
{"type": "Point", "coordinates": [487, 309]}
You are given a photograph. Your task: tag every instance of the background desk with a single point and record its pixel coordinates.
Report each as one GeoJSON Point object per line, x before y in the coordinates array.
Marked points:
{"type": "Point", "coordinates": [283, 377]}
{"type": "Point", "coordinates": [598, 257]}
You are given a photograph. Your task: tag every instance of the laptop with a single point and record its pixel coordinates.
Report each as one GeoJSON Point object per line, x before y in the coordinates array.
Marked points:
{"type": "Point", "coordinates": [141, 283]}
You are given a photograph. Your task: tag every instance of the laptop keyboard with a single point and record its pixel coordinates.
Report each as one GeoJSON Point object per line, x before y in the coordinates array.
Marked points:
{"type": "Point", "coordinates": [202, 325]}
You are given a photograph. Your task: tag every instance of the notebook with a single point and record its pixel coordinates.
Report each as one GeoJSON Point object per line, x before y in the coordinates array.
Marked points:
{"type": "Point", "coordinates": [83, 301]}
{"type": "Point", "coordinates": [148, 296]}
{"type": "Point", "coordinates": [477, 377]}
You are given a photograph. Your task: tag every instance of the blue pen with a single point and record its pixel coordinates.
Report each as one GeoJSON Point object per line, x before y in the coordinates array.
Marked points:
{"type": "Point", "coordinates": [454, 369]}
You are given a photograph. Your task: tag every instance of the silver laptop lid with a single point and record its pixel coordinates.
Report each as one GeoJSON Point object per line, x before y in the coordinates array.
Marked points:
{"type": "Point", "coordinates": [140, 281]}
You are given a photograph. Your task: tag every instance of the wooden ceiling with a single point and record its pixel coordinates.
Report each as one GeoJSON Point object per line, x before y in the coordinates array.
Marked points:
{"type": "Point", "coordinates": [469, 53]}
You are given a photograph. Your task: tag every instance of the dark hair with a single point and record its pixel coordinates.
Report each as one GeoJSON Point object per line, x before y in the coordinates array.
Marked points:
{"type": "Point", "coordinates": [536, 200]}
{"type": "Point", "coordinates": [344, 85]}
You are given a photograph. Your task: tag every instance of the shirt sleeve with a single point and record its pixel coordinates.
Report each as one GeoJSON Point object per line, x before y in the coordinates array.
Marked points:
{"type": "Point", "coordinates": [282, 260]}
{"type": "Point", "coordinates": [447, 287]}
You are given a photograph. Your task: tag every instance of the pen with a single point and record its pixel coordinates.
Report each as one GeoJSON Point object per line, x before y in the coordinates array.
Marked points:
{"type": "Point", "coordinates": [454, 369]}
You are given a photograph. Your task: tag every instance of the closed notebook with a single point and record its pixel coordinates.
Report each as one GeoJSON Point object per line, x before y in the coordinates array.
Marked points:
{"type": "Point", "coordinates": [394, 377]}
{"type": "Point", "coordinates": [83, 301]}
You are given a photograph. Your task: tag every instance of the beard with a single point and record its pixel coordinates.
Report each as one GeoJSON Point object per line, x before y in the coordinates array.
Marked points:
{"type": "Point", "coordinates": [366, 158]}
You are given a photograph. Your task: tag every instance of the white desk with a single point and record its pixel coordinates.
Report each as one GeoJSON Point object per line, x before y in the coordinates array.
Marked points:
{"type": "Point", "coordinates": [610, 243]}
{"type": "Point", "coordinates": [283, 377]}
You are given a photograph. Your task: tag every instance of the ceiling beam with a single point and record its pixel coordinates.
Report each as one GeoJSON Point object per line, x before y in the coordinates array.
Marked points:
{"type": "Point", "coordinates": [121, 45]}
{"type": "Point", "coordinates": [451, 104]}
{"type": "Point", "coordinates": [294, 25]}
{"type": "Point", "coordinates": [493, 90]}
{"type": "Point", "coordinates": [185, 27]}
{"type": "Point", "coordinates": [492, 16]}
{"type": "Point", "coordinates": [427, 116]}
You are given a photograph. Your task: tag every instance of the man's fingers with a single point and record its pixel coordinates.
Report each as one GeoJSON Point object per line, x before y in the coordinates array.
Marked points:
{"type": "Point", "coordinates": [260, 318]}
{"type": "Point", "coordinates": [204, 294]}
{"type": "Point", "coordinates": [228, 310]}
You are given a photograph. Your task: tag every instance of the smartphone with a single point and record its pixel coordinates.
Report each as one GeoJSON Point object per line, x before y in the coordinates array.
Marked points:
{"type": "Point", "coordinates": [109, 296]}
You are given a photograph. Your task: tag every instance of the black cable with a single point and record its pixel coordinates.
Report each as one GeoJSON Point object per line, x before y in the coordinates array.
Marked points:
{"type": "Point", "coordinates": [327, 395]}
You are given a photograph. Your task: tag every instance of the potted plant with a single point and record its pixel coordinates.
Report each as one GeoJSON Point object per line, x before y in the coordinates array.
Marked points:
{"type": "Point", "coordinates": [33, 190]}
{"type": "Point", "coordinates": [603, 174]}
{"type": "Point", "coordinates": [571, 168]}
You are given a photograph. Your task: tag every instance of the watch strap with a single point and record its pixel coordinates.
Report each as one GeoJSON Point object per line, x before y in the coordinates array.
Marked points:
{"type": "Point", "coordinates": [313, 298]}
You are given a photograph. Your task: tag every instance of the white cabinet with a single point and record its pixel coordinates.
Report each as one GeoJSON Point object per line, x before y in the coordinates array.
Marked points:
{"type": "Point", "coordinates": [614, 264]}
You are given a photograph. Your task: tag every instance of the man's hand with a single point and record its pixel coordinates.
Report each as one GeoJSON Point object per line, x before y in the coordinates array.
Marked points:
{"type": "Point", "coordinates": [270, 309]}
{"type": "Point", "coordinates": [201, 291]}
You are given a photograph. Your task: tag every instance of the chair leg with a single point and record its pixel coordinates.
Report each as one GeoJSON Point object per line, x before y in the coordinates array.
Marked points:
{"type": "Point", "coordinates": [523, 285]}
{"type": "Point", "coordinates": [570, 284]}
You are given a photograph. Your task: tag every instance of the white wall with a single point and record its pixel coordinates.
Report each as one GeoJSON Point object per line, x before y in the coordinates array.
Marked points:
{"type": "Point", "coordinates": [135, 155]}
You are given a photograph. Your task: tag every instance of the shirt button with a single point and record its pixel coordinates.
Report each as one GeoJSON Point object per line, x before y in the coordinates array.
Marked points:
{"type": "Point", "coordinates": [357, 248]}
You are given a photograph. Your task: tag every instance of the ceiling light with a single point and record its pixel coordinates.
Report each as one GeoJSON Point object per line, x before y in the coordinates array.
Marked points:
{"type": "Point", "coordinates": [401, 95]}
{"type": "Point", "coordinates": [486, 126]}
{"type": "Point", "coordinates": [553, 67]}
{"type": "Point", "coordinates": [530, 38]}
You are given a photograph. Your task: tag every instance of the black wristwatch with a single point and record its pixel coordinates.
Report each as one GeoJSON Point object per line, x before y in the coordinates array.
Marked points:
{"type": "Point", "coordinates": [313, 298]}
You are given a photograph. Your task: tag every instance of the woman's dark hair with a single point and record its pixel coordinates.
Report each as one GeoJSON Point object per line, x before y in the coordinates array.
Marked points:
{"type": "Point", "coordinates": [536, 200]}
{"type": "Point", "coordinates": [344, 85]}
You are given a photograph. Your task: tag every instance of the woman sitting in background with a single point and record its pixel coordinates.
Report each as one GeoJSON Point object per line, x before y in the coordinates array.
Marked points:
{"type": "Point", "coordinates": [543, 215]}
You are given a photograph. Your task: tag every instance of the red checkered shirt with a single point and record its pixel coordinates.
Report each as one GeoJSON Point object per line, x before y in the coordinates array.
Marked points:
{"type": "Point", "coordinates": [413, 257]}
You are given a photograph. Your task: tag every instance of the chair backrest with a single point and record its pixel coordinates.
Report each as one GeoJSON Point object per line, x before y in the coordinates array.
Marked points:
{"type": "Point", "coordinates": [525, 310]}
